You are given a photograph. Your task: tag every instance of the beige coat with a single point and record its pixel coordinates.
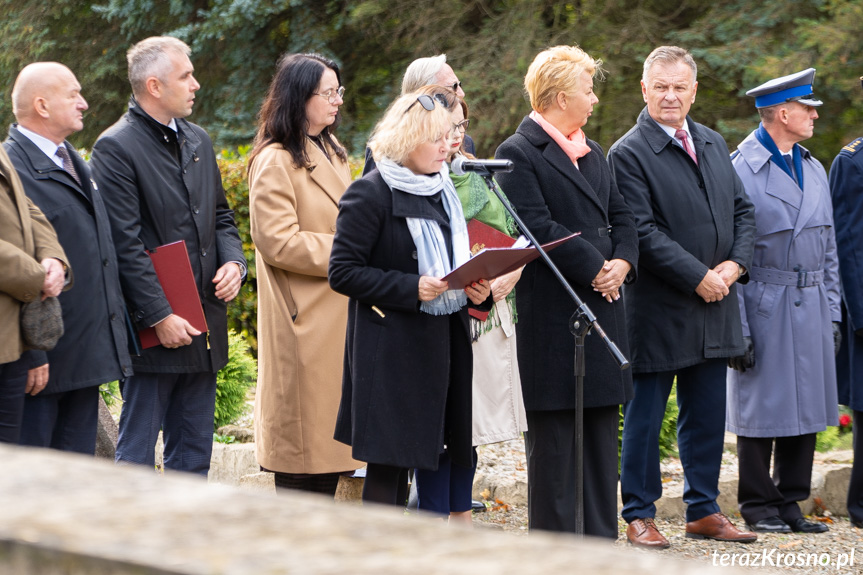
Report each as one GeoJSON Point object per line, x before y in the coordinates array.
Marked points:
{"type": "Point", "coordinates": [301, 321]}
{"type": "Point", "coordinates": [26, 238]}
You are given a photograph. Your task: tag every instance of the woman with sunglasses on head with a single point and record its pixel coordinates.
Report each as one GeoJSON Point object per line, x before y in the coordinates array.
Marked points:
{"type": "Point", "coordinates": [497, 405]}
{"type": "Point", "coordinates": [562, 184]}
{"type": "Point", "coordinates": [298, 171]}
{"type": "Point", "coordinates": [407, 379]}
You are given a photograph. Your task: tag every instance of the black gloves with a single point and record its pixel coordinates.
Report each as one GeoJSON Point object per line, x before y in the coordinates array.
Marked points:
{"type": "Point", "coordinates": [743, 362]}
{"type": "Point", "coordinates": [837, 337]}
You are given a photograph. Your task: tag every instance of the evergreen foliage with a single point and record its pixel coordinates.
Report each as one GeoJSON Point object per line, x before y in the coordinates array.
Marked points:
{"type": "Point", "coordinates": [234, 381]}
{"type": "Point", "coordinates": [236, 44]}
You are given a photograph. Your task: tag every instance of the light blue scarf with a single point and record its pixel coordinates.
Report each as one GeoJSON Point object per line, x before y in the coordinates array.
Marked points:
{"type": "Point", "coordinates": [432, 254]}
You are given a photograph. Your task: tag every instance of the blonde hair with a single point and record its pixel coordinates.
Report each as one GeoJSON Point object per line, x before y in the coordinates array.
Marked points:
{"type": "Point", "coordinates": [407, 124]}
{"type": "Point", "coordinates": [556, 70]}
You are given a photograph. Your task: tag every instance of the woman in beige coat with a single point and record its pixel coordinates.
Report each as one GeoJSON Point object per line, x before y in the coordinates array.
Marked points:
{"type": "Point", "coordinates": [298, 172]}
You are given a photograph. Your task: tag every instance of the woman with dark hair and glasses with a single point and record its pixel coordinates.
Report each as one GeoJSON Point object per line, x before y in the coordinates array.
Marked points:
{"type": "Point", "coordinates": [407, 375]}
{"type": "Point", "coordinates": [298, 171]}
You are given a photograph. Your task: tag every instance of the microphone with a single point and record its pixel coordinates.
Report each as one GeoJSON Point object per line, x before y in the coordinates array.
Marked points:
{"type": "Point", "coordinates": [461, 166]}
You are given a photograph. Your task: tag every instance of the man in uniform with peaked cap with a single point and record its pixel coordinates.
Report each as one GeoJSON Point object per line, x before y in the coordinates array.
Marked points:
{"type": "Point", "coordinates": [782, 390]}
{"type": "Point", "coordinates": [846, 185]}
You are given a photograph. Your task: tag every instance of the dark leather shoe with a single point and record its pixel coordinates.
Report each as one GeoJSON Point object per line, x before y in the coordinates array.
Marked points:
{"type": "Point", "coordinates": [857, 524]}
{"type": "Point", "coordinates": [801, 525]}
{"type": "Point", "coordinates": [770, 525]}
{"type": "Point", "coordinates": [643, 533]}
{"type": "Point", "coordinates": [717, 526]}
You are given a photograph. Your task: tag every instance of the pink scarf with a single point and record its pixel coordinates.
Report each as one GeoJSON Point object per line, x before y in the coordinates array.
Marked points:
{"type": "Point", "coordinates": [574, 146]}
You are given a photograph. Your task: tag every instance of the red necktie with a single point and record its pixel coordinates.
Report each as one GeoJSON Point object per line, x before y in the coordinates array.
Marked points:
{"type": "Point", "coordinates": [683, 137]}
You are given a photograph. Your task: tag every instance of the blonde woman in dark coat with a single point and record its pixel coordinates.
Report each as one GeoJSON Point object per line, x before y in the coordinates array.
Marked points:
{"type": "Point", "coordinates": [562, 184]}
{"type": "Point", "coordinates": [407, 373]}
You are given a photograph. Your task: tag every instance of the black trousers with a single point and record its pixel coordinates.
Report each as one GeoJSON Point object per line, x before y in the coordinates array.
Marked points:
{"type": "Point", "coordinates": [855, 486]}
{"type": "Point", "coordinates": [550, 446]}
{"type": "Point", "coordinates": [13, 382]}
{"type": "Point", "coordinates": [760, 495]}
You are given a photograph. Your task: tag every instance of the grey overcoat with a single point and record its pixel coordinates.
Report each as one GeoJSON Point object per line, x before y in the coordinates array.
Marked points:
{"type": "Point", "coordinates": [792, 388]}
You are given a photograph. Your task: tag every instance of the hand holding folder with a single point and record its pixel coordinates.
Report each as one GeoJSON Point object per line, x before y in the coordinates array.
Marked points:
{"type": "Point", "coordinates": [174, 270]}
{"type": "Point", "coordinates": [491, 262]}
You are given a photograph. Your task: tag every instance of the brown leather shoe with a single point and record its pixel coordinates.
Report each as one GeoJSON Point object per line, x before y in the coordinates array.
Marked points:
{"type": "Point", "coordinates": [717, 526]}
{"type": "Point", "coordinates": [643, 533]}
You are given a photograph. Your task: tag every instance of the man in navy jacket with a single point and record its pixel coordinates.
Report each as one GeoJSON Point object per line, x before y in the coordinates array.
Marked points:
{"type": "Point", "coordinates": [48, 106]}
{"type": "Point", "coordinates": [695, 228]}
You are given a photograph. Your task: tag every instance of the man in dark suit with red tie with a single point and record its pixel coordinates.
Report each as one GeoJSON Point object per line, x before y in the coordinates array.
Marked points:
{"type": "Point", "coordinates": [48, 107]}
{"type": "Point", "coordinates": [696, 232]}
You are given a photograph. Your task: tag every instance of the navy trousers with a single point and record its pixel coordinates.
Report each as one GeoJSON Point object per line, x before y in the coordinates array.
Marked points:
{"type": "Point", "coordinates": [13, 382]}
{"type": "Point", "coordinates": [67, 421]}
{"type": "Point", "coordinates": [855, 486]}
{"type": "Point", "coordinates": [182, 405]}
{"type": "Point", "coordinates": [700, 435]}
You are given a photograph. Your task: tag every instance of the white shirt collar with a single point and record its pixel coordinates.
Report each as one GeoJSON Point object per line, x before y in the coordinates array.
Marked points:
{"type": "Point", "coordinates": [173, 124]}
{"type": "Point", "coordinates": [671, 131]}
{"type": "Point", "coordinates": [43, 143]}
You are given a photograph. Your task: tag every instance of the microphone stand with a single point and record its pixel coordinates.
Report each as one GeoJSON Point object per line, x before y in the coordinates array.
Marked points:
{"type": "Point", "coordinates": [582, 322]}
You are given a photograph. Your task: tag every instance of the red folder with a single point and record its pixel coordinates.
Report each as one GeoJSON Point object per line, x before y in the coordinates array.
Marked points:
{"type": "Point", "coordinates": [484, 236]}
{"type": "Point", "coordinates": [493, 262]}
{"type": "Point", "coordinates": [174, 271]}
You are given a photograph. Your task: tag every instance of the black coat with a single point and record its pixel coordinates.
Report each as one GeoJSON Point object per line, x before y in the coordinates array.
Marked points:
{"type": "Point", "coordinates": [93, 349]}
{"type": "Point", "coordinates": [407, 375]}
{"type": "Point", "coordinates": [154, 200]}
{"type": "Point", "coordinates": [690, 219]}
{"type": "Point", "coordinates": [555, 199]}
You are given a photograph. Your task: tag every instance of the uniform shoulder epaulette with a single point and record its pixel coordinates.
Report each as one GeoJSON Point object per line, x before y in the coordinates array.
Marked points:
{"type": "Point", "coordinates": [853, 147]}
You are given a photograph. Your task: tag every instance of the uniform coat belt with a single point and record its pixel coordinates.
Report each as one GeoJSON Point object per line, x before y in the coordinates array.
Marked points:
{"type": "Point", "coordinates": [800, 278]}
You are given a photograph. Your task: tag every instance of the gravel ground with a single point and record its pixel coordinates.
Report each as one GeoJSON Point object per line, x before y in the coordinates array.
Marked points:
{"type": "Point", "coordinates": [772, 553]}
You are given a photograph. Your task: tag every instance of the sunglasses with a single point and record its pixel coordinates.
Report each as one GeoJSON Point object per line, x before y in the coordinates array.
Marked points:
{"type": "Point", "coordinates": [428, 102]}
{"type": "Point", "coordinates": [456, 86]}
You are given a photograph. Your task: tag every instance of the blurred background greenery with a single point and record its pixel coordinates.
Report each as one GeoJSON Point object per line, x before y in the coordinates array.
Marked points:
{"type": "Point", "coordinates": [737, 44]}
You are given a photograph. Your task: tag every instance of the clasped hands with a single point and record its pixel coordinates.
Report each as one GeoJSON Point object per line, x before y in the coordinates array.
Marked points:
{"type": "Point", "coordinates": [716, 282]}
{"type": "Point", "coordinates": [610, 278]}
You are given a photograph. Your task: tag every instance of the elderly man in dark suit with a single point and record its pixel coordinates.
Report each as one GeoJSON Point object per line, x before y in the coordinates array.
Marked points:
{"type": "Point", "coordinates": [161, 185]}
{"type": "Point", "coordinates": [696, 228]}
{"type": "Point", "coordinates": [48, 106]}
{"type": "Point", "coordinates": [34, 265]}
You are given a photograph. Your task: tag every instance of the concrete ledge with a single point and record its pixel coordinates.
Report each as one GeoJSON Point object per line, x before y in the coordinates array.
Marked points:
{"type": "Point", "coordinates": [69, 514]}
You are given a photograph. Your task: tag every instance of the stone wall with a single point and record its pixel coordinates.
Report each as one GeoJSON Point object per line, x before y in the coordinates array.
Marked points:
{"type": "Point", "coordinates": [73, 515]}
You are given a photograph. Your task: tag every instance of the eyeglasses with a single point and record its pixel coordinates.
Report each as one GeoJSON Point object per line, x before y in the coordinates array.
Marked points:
{"type": "Point", "coordinates": [461, 126]}
{"type": "Point", "coordinates": [330, 95]}
{"type": "Point", "coordinates": [428, 102]}
{"type": "Point", "coordinates": [456, 86]}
